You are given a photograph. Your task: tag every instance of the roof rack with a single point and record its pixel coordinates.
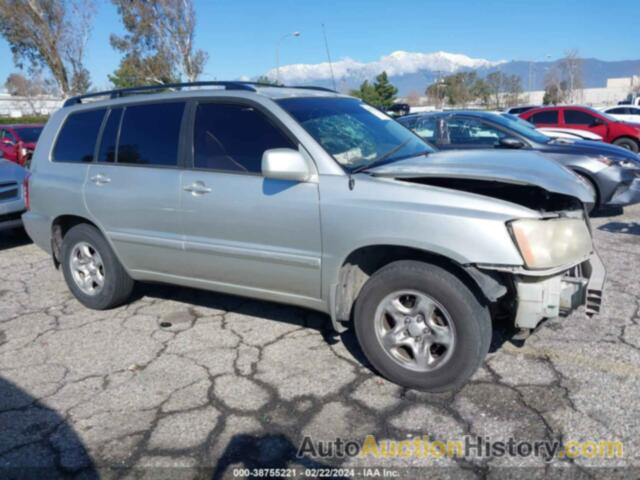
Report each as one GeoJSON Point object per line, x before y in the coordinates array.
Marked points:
{"type": "Point", "coordinates": [311, 87]}
{"type": "Point", "coordinates": [122, 92]}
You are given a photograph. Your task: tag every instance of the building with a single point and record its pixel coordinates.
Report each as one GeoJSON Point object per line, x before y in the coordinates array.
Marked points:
{"type": "Point", "coordinates": [16, 107]}
{"type": "Point", "coordinates": [616, 90]}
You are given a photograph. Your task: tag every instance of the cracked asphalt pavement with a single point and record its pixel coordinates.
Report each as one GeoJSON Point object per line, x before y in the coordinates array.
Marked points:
{"type": "Point", "coordinates": [183, 379]}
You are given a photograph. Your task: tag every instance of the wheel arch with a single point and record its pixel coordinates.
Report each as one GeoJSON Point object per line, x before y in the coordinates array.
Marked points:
{"type": "Point", "coordinates": [589, 176]}
{"type": "Point", "coordinates": [627, 137]}
{"type": "Point", "coordinates": [362, 262]}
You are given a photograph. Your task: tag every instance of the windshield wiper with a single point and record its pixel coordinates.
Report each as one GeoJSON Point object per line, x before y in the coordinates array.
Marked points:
{"type": "Point", "coordinates": [381, 159]}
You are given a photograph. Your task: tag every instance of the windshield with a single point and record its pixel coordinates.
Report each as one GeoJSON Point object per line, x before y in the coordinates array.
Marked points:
{"type": "Point", "coordinates": [29, 134]}
{"type": "Point", "coordinates": [354, 133]}
{"type": "Point", "coordinates": [603, 114]}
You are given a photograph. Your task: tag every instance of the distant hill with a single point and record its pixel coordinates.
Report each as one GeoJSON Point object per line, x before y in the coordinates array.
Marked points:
{"type": "Point", "coordinates": [412, 72]}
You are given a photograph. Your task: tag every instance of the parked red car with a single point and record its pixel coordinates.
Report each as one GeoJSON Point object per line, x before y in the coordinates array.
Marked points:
{"type": "Point", "coordinates": [17, 142]}
{"type": "Point", "coordinates": [612, 130]}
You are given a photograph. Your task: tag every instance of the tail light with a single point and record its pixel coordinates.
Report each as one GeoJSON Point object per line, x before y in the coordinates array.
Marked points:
{"type": "Point", "coordinates": [25, 191]}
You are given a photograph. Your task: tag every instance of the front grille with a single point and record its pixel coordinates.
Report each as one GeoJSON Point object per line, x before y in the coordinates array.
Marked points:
{"type": "Point", "coordinates": [8, 190]}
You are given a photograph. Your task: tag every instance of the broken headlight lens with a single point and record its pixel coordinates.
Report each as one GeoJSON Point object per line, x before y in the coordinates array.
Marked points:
{"type": "Point", "coordinates": [551, 243]}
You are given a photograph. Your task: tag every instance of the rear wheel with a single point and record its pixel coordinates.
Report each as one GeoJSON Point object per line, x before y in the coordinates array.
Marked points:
{"type": "Point", "coordinates": [92, 272]}
{"type": "Point", "coordinates": [421, 327]}
{"type": "Point", "coordinates": [628, 143]}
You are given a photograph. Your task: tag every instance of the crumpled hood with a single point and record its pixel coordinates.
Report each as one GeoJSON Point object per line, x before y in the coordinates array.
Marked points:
{"type": "Point", "coordinates": [508, 166]}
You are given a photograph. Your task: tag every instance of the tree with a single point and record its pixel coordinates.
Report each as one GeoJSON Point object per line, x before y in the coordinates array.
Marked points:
{"type": "Point", "coordinates": [158, 46]}
{"type": "Point", "coordinates": [555, 88]}
{"type": "Point", "coordinates": [437, 92]}
{"type": "Point", "coordinates": [459, 89]}
{"type": "Point", "coordinates": [571, 68]}
{"type": "Point", "coordinates": [496, 83]}
{"type": "Point", "coordinates": [32, 91]}
{"type": "Point", "coordinates": [385, 90]}
{"type": "Point", "coordinates": [263, 79]}
{"type": "Point", "coordinates": [50, 34]}
{"type": "Point", "coordinates": [367, 93]}
{"type": "Point", "coordinates": [380, 93]}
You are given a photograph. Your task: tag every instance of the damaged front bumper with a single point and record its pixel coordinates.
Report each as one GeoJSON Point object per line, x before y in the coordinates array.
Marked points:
{"type": "Point", "coordinates": [627, 193]}
{"type": "Point", "coordinates": [546, 294]}
{"type": "Point", "coordinates": [540, 298]}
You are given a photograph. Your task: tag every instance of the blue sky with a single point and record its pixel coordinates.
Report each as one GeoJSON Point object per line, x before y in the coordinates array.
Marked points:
{"type": "Point", "coordinates": [240, 36]}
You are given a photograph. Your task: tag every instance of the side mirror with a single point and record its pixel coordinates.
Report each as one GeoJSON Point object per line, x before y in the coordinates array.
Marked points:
{"type": "Point", "coordinates": [596, 122]}
{"type": "Point", "coordinates": [510, 142]}
{"type": "Point", "coordinates": [285, 164]}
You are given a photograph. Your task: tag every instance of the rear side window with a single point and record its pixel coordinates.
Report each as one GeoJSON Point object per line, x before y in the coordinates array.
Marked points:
{"type": "Point", "coordinates": [234, 137]}
{"type": "Point", "coordinates": [110, 137]}
{"type": "Point", "coordinates": [150, 133]}
{"type": "Point", "coordinates": [549, 116]}
{"type": "Point", "coordinates": [578, 117]}
{"type": "Point", "coordinates": [77, 139]}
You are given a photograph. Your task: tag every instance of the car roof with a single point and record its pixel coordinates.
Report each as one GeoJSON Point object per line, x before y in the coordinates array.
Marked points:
{"type": "Point", "coordinates": [198, 89]}
{"type": "Point", "coordinates": [635, 107]}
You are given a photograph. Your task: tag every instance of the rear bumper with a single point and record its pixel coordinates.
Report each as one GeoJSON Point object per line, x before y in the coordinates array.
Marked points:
{"type": "Point", "coordinates": [10, 220]}
{"type": "Point", "coordinates": [11, 212]}
{"type": "Point", "coordinates": [38, 228]}
{"type": "Point", "coordinates": [539, 298]}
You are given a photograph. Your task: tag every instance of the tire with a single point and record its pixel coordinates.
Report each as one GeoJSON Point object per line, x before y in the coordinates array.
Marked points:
{"type": "Point", "coordinates": [591, 185]}
{"type": "Point", "coordinates": [456, 306]}
{"type": "Point", "coordinates": [111, 284]}
{"type": "Point", "coordinates": [628, 143]}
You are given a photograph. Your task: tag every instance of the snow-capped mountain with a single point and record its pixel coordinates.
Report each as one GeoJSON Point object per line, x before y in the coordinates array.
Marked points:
{"type": "Point", "coordinates": [412, 71]}
{"type": "Point", "coordinates": [396, 64]}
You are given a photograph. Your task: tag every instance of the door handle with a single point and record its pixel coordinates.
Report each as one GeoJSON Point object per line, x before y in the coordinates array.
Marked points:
{"type": "Point", "coordinates": [100, 179]}
{"type": "Point", "coordinates": [197, 188]}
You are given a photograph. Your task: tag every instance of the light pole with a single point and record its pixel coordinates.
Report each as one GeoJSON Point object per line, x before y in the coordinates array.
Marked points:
{"type": "Point", "coordinates": [293, 34]}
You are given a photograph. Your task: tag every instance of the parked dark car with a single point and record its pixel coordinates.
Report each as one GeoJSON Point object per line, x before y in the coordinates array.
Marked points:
{"type": "Point", "coordinates": [612, 173]}
{"type": "Point", "coordinates": [17, 142]}
{"type": "Point", "coordinates": [612, 130]}
{"type": "Point", "coordinates": [12, 201]}
{"type": "Point", "coordinates": [398, 109]}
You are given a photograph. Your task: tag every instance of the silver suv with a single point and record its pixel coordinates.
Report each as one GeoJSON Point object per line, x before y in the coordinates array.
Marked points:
{"type": "Point", "coordinates": [308, 197]}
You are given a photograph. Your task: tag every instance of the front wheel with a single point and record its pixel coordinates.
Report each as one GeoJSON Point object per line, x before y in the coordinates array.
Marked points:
{"type": "Point", "coordinates": [92, 272]}
{"type": "Point", "coordinates": [421, 327]}
{"type": "Point", "coordinates": [627, 143]}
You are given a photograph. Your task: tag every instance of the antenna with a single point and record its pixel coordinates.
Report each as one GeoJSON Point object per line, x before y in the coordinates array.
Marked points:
{"type": "Point", "coordinates": [326, 46]}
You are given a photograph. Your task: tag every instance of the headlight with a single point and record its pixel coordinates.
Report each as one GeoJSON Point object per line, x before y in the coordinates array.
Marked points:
{"type": "Point", "coordinates": [604, 159]}
{"type": "Point", "coordinates": [551, 243]}
{"type": "Point", "coordinates": [621, 161]}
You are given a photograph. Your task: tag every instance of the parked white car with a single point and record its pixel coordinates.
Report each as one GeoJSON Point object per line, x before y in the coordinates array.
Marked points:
{"type": "Point", "coordinates": [572, 133]}
{"type": "Point", "coordinates": [626, 113]}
